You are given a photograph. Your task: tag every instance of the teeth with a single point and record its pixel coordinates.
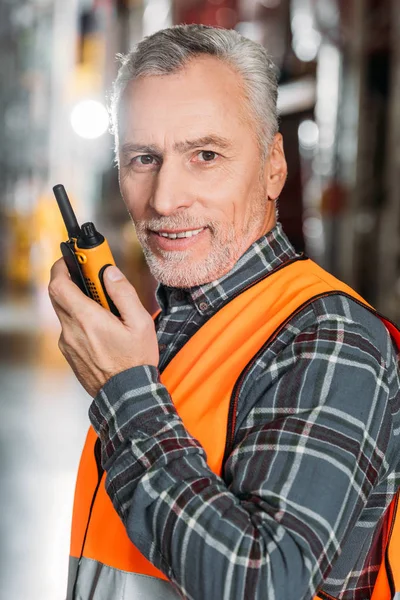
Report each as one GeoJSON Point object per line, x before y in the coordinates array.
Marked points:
{"type": "Point", "coordinates": [182, 234]}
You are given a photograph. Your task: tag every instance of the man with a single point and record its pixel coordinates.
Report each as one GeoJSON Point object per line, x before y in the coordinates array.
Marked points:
{"type": "Point", "coordinates": [250, 435]}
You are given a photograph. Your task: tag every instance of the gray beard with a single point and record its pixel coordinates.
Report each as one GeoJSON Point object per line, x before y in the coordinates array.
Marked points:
{"type": "Point", "coordinates": [171, 267]}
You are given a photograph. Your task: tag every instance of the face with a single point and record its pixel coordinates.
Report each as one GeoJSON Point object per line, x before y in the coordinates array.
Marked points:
{"type": "Point", "coordinates": [191, 172]}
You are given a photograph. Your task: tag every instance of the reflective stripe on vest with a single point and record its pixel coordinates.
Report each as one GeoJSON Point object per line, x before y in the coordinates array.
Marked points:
{"type": "Point", "coordinates": [99, 582]}
{"type": "Point", "coordinates": [200, 378]}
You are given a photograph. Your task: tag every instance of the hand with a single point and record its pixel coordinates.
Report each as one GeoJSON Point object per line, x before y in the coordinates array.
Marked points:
{"type": "Point", "coordinates": [96, 343]}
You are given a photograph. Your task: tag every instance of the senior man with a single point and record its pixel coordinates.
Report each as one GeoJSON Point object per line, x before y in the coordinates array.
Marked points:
{"type": "Point", "coordinates": [246, 442]}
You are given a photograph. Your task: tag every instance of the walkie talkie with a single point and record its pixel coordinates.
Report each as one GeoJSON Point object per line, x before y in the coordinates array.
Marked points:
{"type": "Point", "coordinates": [86, 253]}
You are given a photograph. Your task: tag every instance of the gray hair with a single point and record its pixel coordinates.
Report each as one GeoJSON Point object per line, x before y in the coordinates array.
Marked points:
{"type": "Point", "coordinates": [169, 50]}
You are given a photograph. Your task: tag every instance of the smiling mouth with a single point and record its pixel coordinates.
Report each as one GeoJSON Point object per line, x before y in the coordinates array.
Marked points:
{"type": "Point", "coordinates": [172, 235]}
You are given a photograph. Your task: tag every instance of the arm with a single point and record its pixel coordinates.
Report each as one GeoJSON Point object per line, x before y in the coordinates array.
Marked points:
{"type": "Point", "coordinates": [309, 451]}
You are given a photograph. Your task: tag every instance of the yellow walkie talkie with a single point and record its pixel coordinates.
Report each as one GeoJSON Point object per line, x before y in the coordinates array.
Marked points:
{"type": "Point", "coordinates": [86, 253]}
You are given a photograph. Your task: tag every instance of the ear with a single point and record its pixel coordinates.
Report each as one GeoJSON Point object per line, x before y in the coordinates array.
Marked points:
{"type": "Point", "coordinates": [275, 168]}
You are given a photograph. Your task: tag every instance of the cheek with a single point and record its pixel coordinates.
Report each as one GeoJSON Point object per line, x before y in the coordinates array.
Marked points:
{"type": "Point", "coordinates": [227, 195]}
{"type": "Point", "coordinates": [136, 194]}
{"type": "Point", "coordinates": [219, 186]}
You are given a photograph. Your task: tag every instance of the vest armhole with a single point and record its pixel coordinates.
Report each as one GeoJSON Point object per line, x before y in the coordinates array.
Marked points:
{"type": "Point", "coordinates": [233, 405]}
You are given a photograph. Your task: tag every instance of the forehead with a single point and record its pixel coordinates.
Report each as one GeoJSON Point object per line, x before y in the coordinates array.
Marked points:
{"type": "Point", "coordinates": [206, 93]}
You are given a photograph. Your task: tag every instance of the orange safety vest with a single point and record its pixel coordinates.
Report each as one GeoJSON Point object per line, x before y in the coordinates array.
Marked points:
{"type": "Point", "coordinates": [203, 380]}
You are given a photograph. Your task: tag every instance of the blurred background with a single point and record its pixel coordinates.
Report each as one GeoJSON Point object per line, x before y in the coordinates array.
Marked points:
{"type": "Point", "coordinates": [339, 101]}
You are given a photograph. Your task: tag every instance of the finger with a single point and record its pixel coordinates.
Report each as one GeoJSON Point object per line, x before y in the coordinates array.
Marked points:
{"type": "Point", "coordinates": [61, 344]}
{"type": "Point", "coordinates": [65, 294]}
{"type": "Point", "coordinates": [58, 273]}
{"type": "Point", "coordinates": [59, 268]}
{"type": "Point", "coordinates": [124, 296]}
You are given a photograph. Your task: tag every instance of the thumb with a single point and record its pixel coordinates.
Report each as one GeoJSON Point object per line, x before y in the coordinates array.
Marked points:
{"type": "Point", "coordinates": [123, 294]}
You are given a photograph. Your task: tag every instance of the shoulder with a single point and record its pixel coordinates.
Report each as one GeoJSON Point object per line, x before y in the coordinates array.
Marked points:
{"type": "Point", "coordinates": [351, 320]}
{"type": "Point", "coordinates": [330, 320]}
{"type": "Point", "coordinates": [333, 342]}
{"type": "Point", "coordinates": [334, 305]}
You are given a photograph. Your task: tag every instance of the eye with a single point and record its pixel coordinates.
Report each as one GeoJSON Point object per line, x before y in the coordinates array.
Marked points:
{"type": "Point", "coordinates": [144, 160]}
{"type": "Point", "coordinates": [207, 156]}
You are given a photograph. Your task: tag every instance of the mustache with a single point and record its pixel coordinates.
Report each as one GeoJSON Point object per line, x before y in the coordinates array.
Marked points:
{"type": "Point", "coordinates": [171, 222]}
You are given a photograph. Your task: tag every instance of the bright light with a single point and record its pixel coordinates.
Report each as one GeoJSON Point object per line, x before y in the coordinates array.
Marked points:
{"type": "Point", "coordinates": [306, 39]}
{"type": "Point", "coordinates": [296, 96]}
{"type": "Point", "coordinates": [308, 134]}
{"type": "Point", "coordinates": [156, 15]}
{"type": "Point", "coordinates": [306, 46]}
{"type": "Point", "coordinates": [301, 21]}
{"type": "Point", "coordinates": [250, 29]}
{"type": "Point", "coordinates": [89, 119]}
{"type": "Point", "coordinates": [312, 227]}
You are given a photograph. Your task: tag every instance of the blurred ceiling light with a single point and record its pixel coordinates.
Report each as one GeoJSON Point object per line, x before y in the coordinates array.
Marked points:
{"type": "Point", "coordinates": [250, 29]}
{"type": "Point", "coordinates": [313, 227]}
{"type": "Point", "coordinates": [326, 137]}
{"type": "Point", "coordinates": [306, 46]}
{"type": "Point", "coordinates": [308, 134]}
{"type": "Point", "coordinates": [328, 82]}
{"type": "Point", "coordinates": [89, 119]}
{"type": "Point", "coordinates": [156, 16]}
{"type": "Point", "coordinates": [327, 106]}
{"type": "Point", "coordinates": [306, 39]}
{"type": "Point", "coordinates": [301, 21]}
{"type": "Point", "coordinates": [296, 96]}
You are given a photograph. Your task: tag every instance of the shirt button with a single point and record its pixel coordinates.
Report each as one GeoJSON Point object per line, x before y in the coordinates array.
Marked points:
{"type": "Point", "coordinates": [203, 306]}
{"type": "Point", "coordinates": [162, 347]}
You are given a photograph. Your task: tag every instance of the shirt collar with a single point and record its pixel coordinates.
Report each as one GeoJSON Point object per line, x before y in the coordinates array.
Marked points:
{"type": "Point", "coordinates": [264, 255]}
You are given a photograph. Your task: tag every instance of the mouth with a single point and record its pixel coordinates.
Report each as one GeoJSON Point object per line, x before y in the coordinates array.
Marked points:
{"type": "Point", "coordinates": [168, 239]}
{"type": "Point", "coordinates": [182, 233]}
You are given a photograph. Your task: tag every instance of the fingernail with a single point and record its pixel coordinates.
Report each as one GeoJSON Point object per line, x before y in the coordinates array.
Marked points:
{"type": "Point", "coordinates": [114, 274]}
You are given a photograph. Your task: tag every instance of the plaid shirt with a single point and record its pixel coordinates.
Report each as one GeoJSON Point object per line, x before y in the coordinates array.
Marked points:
{"type": "Point", "coordinates": [316, 458]}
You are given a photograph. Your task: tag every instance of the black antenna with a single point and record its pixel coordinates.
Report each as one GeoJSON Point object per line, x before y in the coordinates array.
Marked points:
{"type": "Point", "coordinates": [66, 211]}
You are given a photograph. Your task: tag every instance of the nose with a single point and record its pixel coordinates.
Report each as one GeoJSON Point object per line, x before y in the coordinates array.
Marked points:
{"type": "Point", "coordinates": [171, 190]}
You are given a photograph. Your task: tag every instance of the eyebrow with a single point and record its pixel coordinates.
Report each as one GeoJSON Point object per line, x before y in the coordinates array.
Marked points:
{"type": "Point", "coordinates": [185, 146]}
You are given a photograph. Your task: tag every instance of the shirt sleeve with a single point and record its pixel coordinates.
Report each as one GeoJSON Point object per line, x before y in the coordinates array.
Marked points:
{"type": "Point", "coordinates": [308, 453]}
